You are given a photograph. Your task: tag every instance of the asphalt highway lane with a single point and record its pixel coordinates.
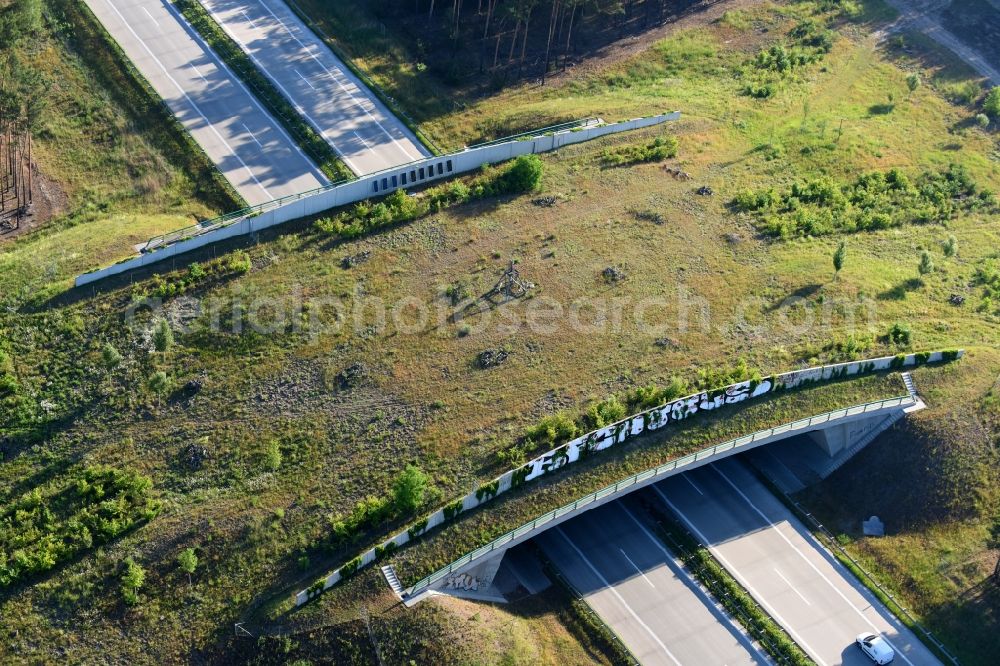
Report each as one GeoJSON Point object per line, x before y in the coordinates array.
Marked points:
{"type": "Point", "coordinates": [246, 143]}
{"type": "Point", "coordinates": [622, 570]}
{"type": "Point", "coordinates": [338, 105]}
{"type": "Point", "coordinates": [760, 542]}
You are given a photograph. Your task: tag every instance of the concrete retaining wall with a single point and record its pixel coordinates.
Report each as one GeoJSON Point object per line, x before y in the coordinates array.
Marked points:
{"type": "Point", "coordinates": [416, 173]}
{"type": "Point", "coordinates": [638, 424]}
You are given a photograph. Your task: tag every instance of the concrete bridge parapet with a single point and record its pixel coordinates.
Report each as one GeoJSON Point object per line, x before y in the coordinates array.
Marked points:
{"type": "Point", "coordinates": [846, 427]}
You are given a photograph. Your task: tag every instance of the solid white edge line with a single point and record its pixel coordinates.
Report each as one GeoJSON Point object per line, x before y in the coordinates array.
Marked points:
{"type": "Point", "coordinates": [813, 566]}
{"type": "Point", "coordinates": [291, 100]}
{"type": "Point", "coordinates": [735, 574]}
{"type": "Point", "coordinates": [320, 176]}
{"type": "Point", "coordinates": [702, 594]}
{"type": "Point", "coordinates": [608, 586]}
{"type": "Point", "coordinates": [337, 80]}
{"type": "Point", "coordinates": [188, 97]}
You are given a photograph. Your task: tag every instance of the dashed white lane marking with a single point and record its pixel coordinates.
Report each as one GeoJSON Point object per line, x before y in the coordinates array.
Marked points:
{"type": "Point", "coordinates": [338, 81]}
{"type": "Point", "coordinates": [188, 98]}
{"type": "Point", "coordinates": [365, 143]}
{"type": "Point", "coordinates": [226, 28]}
{"type": "Point", "coordinates": [252, 136]}
{"type": "Point", "coordinates": [319, 175]}
{"type": "Point", "coordinates": [634, 566]}
{"type": "Point", "coordinates": [810, 563]}
{"type": "Point", "coordinates": [708, 601]}
{"type": "Point", "coordinates": [688, 479]}
{"type": "Point", "coordinates": [198, 72]}
{"type": "Point", "coordinates": [249, 20]}
{"type": "Point", "coordinates": [155, 22]}
{"type": "Point", "coordinates": [305, 79]}
{"type": "Point", "coordinates": [735, 573]}
{"type": "Point", "coordinates": [618, 596]}
{"type": "Point", "coordinates": [789, 584]}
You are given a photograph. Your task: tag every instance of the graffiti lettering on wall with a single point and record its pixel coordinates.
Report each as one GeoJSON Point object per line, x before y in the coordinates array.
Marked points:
{"type": "Point", "coordinates": [654, 419]}
{"type": "Point", "coordinates": [617, 433]}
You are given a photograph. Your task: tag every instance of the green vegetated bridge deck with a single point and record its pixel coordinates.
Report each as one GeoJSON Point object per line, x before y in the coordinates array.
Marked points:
{"type": "Point", "coordinates": [426, 555]}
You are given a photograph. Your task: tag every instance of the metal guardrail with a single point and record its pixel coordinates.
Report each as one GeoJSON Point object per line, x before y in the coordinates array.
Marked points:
{"type": "Point", "coordinates": [670, 466]}
{"type": "Point", "coordinates": [551, 129]}
{"type": "Point", "coordinates": [171, 237]}
{"type": "Point", "coordinates": [718, 590]}
{"type": "Point", "coordinates": [869, 580]}
{"type": "Point", "coordinates": [550, 568]}
{"type": "Point", "coordinates": [227, 219]}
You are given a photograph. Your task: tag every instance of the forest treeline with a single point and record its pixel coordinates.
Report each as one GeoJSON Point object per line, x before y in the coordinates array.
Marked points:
{"type": "Point", "coordinates": [519, 38]}
{"type": "Point", "coordinates": [22, 97]}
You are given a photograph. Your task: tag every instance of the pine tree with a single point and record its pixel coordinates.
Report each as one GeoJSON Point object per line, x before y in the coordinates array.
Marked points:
{"type": "Point", "coordinates": [163, 336]}
{"type": "Point", "coordinates": [926, 263]}
{"type": "Point", "coordinates": [838, 257]}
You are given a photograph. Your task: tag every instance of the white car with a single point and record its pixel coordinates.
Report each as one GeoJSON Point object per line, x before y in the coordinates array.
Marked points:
{"type": "Point", "coordinates": [875, 647]}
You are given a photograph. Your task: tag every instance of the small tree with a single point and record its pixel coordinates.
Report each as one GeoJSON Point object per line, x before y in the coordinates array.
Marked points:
{"type": "Point", "coordinates": [409, 488]}
{"type": "Point", "coordinates": [133, 578]}
{"type": "Point", "coordinates": [163, 336]}
{"type": "Point", "coordinates": [982, 120]}
{"type": "Point", "coordinates": [838, 257]}
{"type": "Point", "coordinates": [523, 175]}
{"type": "Point", "coordinates": [110, 358]}
{"type": "Point", "coordinates": [950, 246]}
{"type": "Point", "coordinates": [900, 334]}
{"type": "Point", "coordinates": [188, 562]}
{"type": "Point", "coordinates": [926, 263]}
{"type": "Point", "coordinates": [912, 82]}
{"type": "Point", "coordinates": [159, 383]}
{"type": "Point", "coordinates": [272, 456]}
{"type": "Point", "coordinates": [991, 105]}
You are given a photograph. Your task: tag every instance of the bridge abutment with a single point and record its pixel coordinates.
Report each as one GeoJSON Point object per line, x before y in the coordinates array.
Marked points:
{"type": "Point", "coordinates": [843, 436]}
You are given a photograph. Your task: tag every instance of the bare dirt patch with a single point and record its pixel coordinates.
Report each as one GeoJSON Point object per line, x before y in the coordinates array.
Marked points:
{"type": "Point", "coordinates": [49, 201]}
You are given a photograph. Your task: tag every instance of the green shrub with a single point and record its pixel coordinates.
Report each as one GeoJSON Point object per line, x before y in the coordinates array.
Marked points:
{"type": "Point", "coordinates": [991, 103]}
{"type": "Point", "coordinates": [605, 412]}
{"type": "Point", "coordinates": [453, 509]}
{"type": "Point", "coordinates": [409, 489]}
{"type": "Point", "coordinates": [875, 200]}
{"type": "Point", "coordinates": [553, 429]}
{"type": "Point", "coordinates": [899, 334]}
{"type": "Point", "coordinates": [367, 514]}
{"type": "Point", "coordinates": [520, 175]}
{"type": "Point", "coordinates": [519, 475]}
{"type": "Point", "coordinates": [350, 568]}
{"type": "Point", "coordinates": [660, 148]}
{"type": "Point", "coordinates": [417, 528]}
{"type": "Point", "coordinates": [488, 490]}
{"type": "Point", "coordinates": [92, 507]}
{"type": "Point", "coordinates": [315, 589]}
{"type": "Point", "coordinates": [759, 90]}
{"type": "Point", "coordinates": [523, 175]}
{"type": "Point", "coordinates": [647, 397]}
